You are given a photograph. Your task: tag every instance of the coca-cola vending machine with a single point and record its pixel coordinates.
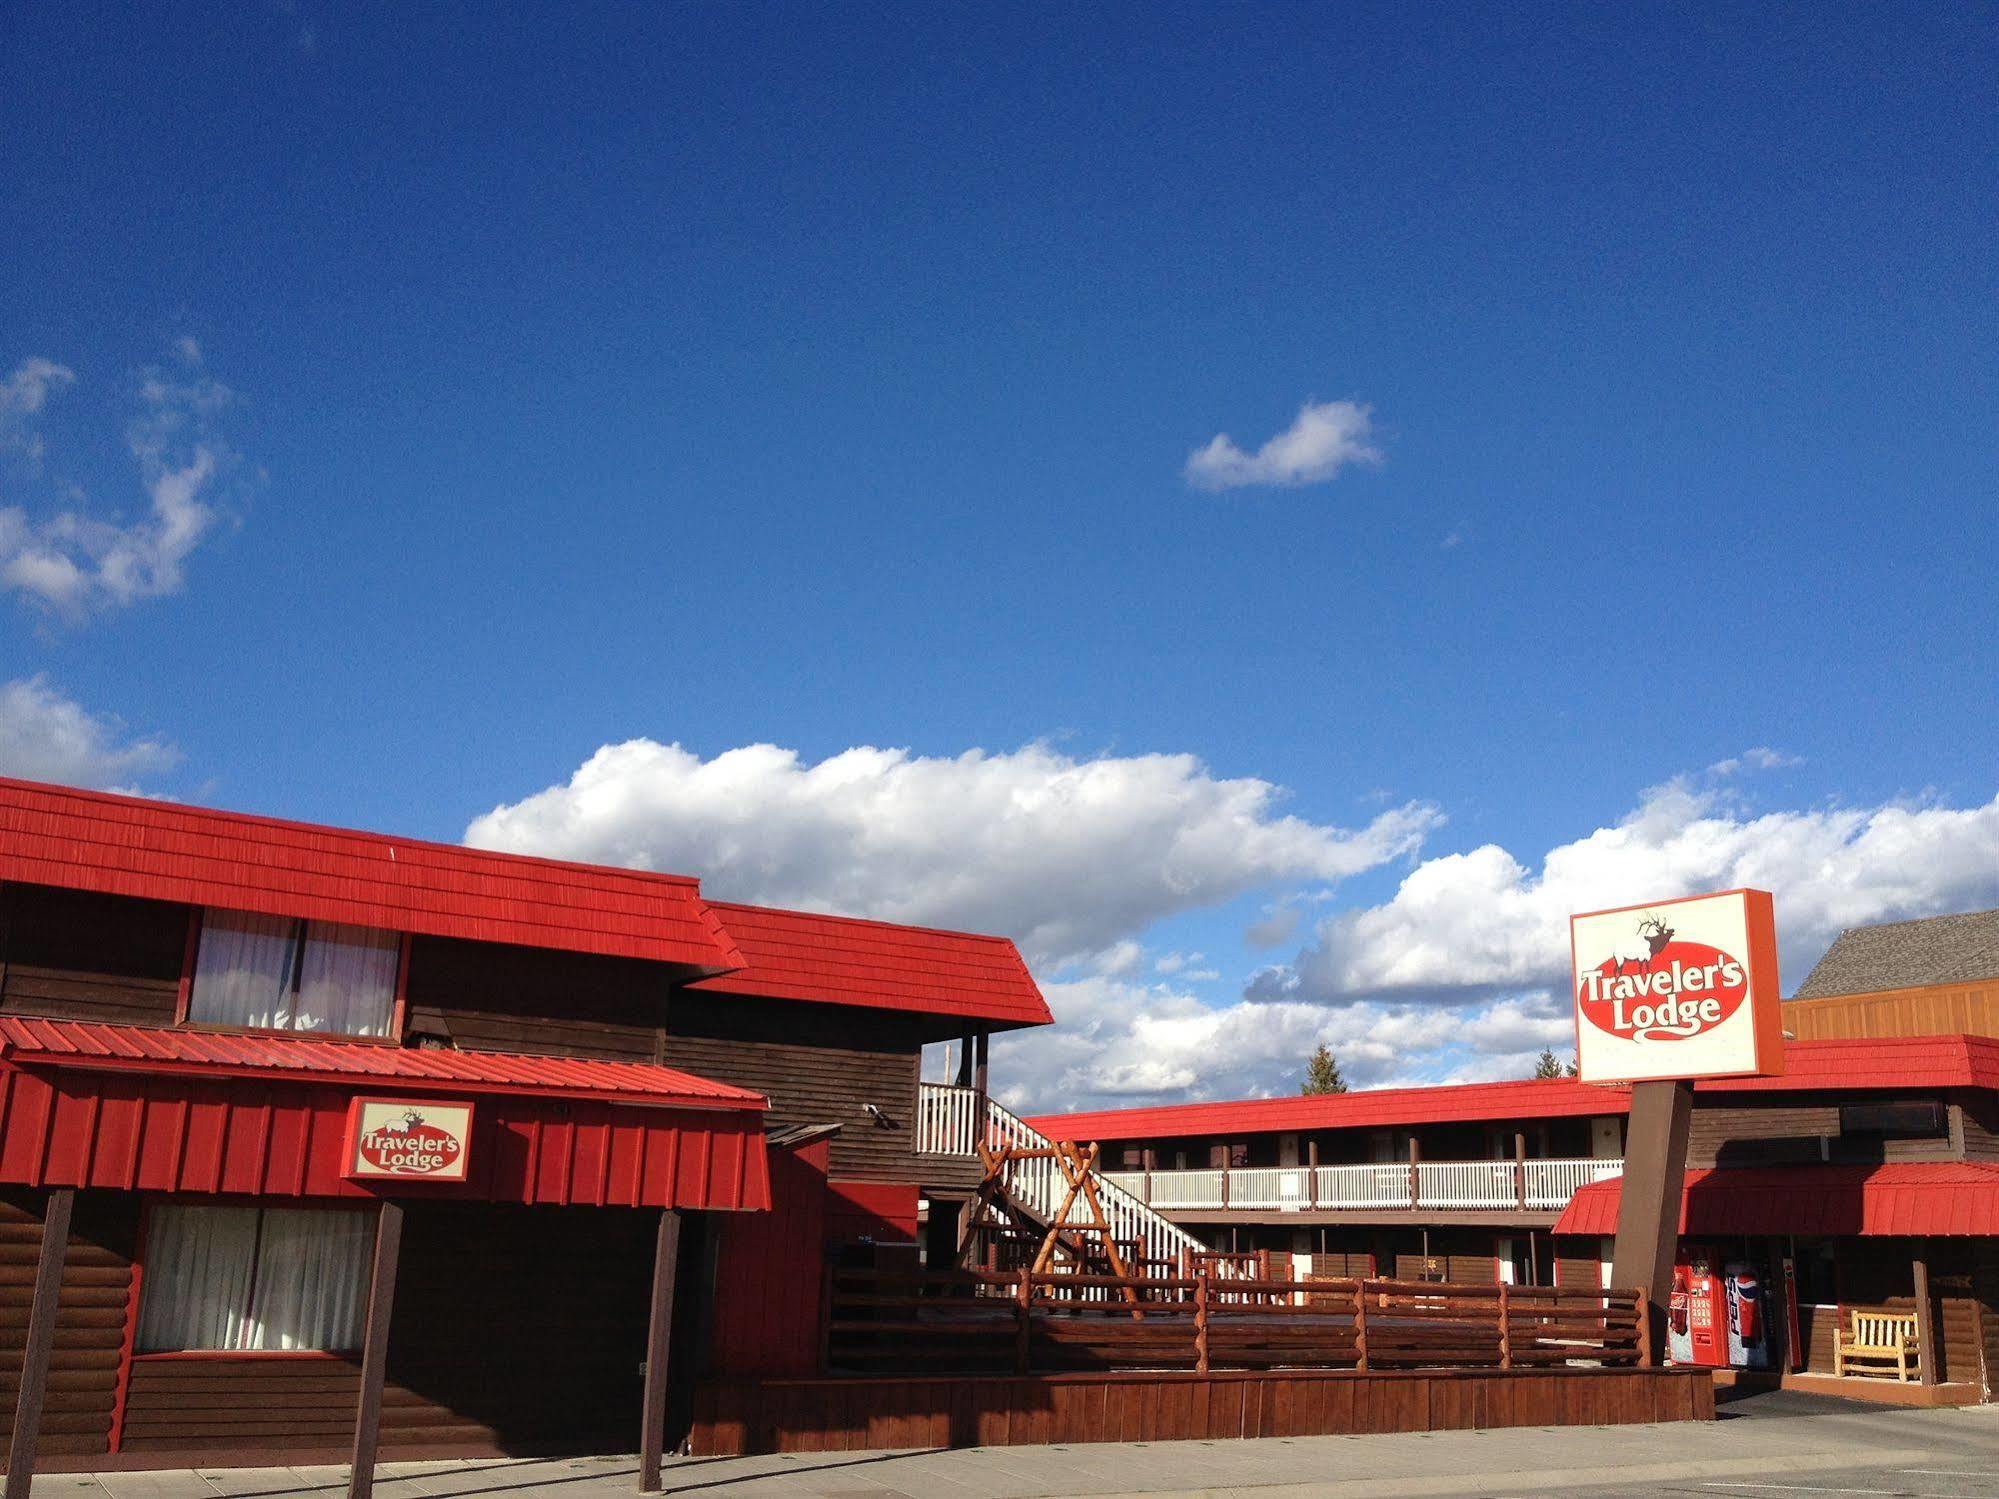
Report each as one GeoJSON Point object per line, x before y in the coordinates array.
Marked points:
{"type": "Point", "coordinates": [1717, 1319]}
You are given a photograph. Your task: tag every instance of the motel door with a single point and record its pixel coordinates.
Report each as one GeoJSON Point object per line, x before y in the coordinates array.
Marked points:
{"type": "Point", "coordinates": [1606, 1138]}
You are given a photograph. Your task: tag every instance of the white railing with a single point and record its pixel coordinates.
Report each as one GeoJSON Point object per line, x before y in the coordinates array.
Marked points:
{"type": "Point", "coordinates": [1041, 1186]}
{"type": "Point", "coordinates": [1452, 1185]}
{"type": "Point", "coordinates": [1550, 1184]}
{"type": "Point", "coordinates": [946, 1119]}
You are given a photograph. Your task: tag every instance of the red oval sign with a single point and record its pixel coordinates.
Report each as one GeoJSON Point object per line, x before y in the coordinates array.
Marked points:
{"type": "Point", "coordinates": [420, 1150]}
{"type": "Point", "coordinates": [1680, 991]}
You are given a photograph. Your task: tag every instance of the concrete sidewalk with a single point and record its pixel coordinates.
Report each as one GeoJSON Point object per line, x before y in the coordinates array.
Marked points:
{"type": "Point", "coordinates": [1434, 1465]}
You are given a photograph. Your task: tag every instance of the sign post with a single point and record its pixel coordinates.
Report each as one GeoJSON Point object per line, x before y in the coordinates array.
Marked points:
{"type": "Point", "coordinates": [1666, 993]}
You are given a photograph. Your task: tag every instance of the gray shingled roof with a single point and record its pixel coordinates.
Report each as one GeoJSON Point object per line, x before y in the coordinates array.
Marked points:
{"type": "Point", "coordinates": [1906, 954]}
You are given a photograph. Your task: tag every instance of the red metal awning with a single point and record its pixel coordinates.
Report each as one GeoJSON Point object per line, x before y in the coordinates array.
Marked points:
{"type": "Point", "coordinates": [1945, 1198]}
{"type": "Point", "coordinates": [136, 1108]}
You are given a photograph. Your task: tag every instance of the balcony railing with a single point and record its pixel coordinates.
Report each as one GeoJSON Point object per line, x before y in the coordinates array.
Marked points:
{"type": "Point", "coordinates": [946, 1119]}
{"type": "Point", "coordinates": [1442, 1185]}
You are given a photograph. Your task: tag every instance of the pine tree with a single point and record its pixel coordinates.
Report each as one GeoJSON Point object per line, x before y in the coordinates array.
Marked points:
{"type": "Point", "coordinates": [1547, 1067]}
{"type": "Point", "coordinates": [1322, 1073]}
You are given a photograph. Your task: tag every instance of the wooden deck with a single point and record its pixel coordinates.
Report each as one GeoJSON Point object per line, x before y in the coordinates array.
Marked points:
{"type": "Point", "coordinates": [742, 1417]}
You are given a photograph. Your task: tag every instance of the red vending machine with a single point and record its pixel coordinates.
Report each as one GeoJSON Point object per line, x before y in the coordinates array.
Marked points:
{"type": "Point", "coordinates": [1697, 1316]}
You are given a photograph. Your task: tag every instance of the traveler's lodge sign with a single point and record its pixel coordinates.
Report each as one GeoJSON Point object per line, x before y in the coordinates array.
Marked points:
{"type": "Point", "coordinates": [1678, 989]}
{"type": "Point", "coordinates": [403, 1139]}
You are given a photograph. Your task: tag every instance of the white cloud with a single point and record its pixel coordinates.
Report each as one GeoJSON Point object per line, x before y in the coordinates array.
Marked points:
{"type": "Point", "coordinates": [1119, 1044]}
{"type": "Point", "coordinates": [73, 562]}
{"type": "Point", "coordinates": [23, 394]}
{"type": "Point", "coordinates": [1069, 856]}
{"type": "Point", "coordinates": [1467, 925]}
{"type": "Point", "coordinates": [1760, 758]}
{"type": "Point", "coordinates": [45, 736]}
{"type": "Point", "coordinates": [1326, 437]}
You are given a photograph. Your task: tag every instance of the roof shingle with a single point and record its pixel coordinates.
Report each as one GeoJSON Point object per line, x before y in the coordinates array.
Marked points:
{"type": "Point", "coordinates": [1907, 955]}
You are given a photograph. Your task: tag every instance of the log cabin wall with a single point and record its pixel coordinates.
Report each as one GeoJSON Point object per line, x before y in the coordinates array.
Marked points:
{"type": "Point", "coordinates": [818, 1064]}
{"type": "Point", "coordinates": [78, 956]}
{"type": "Point", "coordinates": [90, 1320]}
{"type": "Point", "coordinates": [1977, 1123]}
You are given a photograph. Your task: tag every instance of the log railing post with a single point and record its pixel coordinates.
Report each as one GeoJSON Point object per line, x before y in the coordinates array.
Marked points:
{"type": "Point", "coordinates": [1360, 1324]}
{"type": "Point", "coordinates": [1312, 1173]}
{"type": "Point", "coordinates": [41, 1337]}
{"type": "Point", "coordinates": [659, 1340]}
{"type": "Point", "coordinates": [1926, 1332]}
{"type": "Point", "coordinates": [1151, 1160]}
{"type": "Point", "coordinates": [1641, 1303]}
{"type": "Point", "coordinates": [1520, 1170]}
{"type": "Point", "coordinates": [1201, 1323]}
{"type": "Point", "coordinates": [1505, 1326]}
{"type": "Point", "coordinates": [1415, 1176]}
{"type": "Point", "coordinates": [1023, 1310]}
{"type": "Point", "coordinates": [375, 1348]}
{"type": "Point", "coordinates": [1226, 1153]}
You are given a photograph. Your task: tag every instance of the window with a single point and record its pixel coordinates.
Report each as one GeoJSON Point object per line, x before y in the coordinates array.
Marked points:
{"type": "Point", "coordinates": [1909, 1118]}
{"type": "Point", "coordinates": [253, 1279]}
{"type": "Point", "coordinates": [279, 973]}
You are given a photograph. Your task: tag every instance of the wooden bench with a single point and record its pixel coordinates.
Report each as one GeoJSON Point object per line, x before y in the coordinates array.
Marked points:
{"type": "Point", "coordinates": [1877, 1345]}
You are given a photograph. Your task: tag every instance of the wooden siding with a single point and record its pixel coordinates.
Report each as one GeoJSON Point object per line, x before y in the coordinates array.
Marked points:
{"type": "Point", "coordinates": [842, 1415]}
{"type": "Point", "coordinates": [78, 956]}
{"type": "Point", "coordinates": [90, 1319]}
{"type": "Point", "coordinates": [1791, 1133]}
{"type": "Point", "coordinates": [1985, 1291]}
{"type": "Point", "coordinates": [818, 1064]}
{"type": "Point", "coordinates": [1342, 1264]}
{"type": "Point", "coordinates": [1977, 1121]}
{"type": "Point", "coordinates": [483, 996]}
{"type": "Point", "coordinates": [1931, 1010]}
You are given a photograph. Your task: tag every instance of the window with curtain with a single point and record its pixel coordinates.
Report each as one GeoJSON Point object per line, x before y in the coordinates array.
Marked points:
{"type": "Point", "coordinates": [248, 1279]}
{"type": "Point", "coordinates": [281, 973]}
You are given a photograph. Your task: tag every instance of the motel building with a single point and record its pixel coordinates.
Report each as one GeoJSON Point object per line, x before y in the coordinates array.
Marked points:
{"type": "Point", "coordinates": [356, 1144]}
{"type": "Point", "coordinates": [1864, 1180]}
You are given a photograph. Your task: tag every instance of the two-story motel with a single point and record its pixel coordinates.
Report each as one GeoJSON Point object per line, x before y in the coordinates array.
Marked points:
{"type": "Point", "coordinates": [1868, 1175]}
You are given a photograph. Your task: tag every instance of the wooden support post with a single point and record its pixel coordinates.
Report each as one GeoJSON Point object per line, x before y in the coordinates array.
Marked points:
{"type": "Point", "coordinates": [963, 1079]}
{"type": "Point", "coordinates": [1360, 1324]}
{"type": "Point", "coordinates": [1645, 1353]}
{"type": "Point", "coordinates": [1926, 1330]}
{"type": "Point", "coordinates": [1151, 1160]}
{"type": "Point", "coordinates": [1415, 1159]}
{"type": "Point", "coordinates": [375, 1348]}
{"type": "Point", "coordinates": [1312, 1173]}
{"type": "Point", "coordinates": [41, 1340]}
{"type": "Point", "coordinates": [1520, 1167]}
{"type": "Point", "coordinates": [1023, 1324]}
{"type": "Point", "coordinates": [1505, 1326]}
{"type": "Point", "coordinates": [1655, 1176]}
{"type": "Point", "coordinates": [980, 1061]}
{"type": "Point", "coordinates": [659, 1340]}
{"type": "Point", "coordinates": [1201, 1323]}
{"type": "Point", "coordinates": [1228, 1155]}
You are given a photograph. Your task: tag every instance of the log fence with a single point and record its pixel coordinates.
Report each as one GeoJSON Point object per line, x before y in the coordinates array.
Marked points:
{"type": "Point", "coordinates": [976, 1321]}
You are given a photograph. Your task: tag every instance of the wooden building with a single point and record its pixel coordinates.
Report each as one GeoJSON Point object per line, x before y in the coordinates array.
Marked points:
{"type": "Point", "coordinates": [311, 1136]}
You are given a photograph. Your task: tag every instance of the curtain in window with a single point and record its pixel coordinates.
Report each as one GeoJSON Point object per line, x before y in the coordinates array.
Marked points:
{"type": "Point", "coordinates": [196, 1286]}
{"type": "Point", "coordinates": [312, 1276]}
{"type": "Point", "coordinates": [347, 983]}
{"type": "Point", "coordinates": [254, 1280]}
{"type": "Point", "coordinates": [243, 970]}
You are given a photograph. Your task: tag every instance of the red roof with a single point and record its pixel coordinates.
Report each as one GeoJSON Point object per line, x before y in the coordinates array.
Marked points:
{"type": "Point", "coordinates": [123, 845]}
{"type": "Point", "coordinates": [1891, 1062]}
{"type": "Point", "coordinates": [147, 1049]}
{"type": "Point", "coordinates": [1943, 1198]}
{"type": "Point", "coordinates": [844, 960]}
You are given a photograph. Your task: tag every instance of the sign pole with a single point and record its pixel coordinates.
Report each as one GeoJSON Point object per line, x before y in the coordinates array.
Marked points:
{"type": "Point", "coordinates": [1648, 1211]}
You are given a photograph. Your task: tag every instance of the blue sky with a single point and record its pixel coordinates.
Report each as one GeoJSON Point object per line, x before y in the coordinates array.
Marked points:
{"type": "Point", "coordinates": [802, 376]}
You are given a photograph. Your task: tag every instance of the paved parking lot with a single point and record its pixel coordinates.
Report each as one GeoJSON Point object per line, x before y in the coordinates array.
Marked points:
{"type": "Point", "coordinates": [1774, 1448]}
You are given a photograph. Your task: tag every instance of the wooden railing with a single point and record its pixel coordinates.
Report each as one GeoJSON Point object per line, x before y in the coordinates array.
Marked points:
{"type": "Point", "coordinates": [1543, 1185]}
{"type": "Point", "coordinates": [884, 1321]}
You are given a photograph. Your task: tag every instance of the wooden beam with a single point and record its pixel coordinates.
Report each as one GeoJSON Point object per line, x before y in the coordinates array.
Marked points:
{"type": "Point", "coordinates": [1926, 1331]}
{"type": "Point", "coordinates": [375, 1348]}
{"type": "Point", "coordinates": [1520, 1167]}
{"type": "Point", "coordinates": [1655, 1177]}
{"type": "Point", "coordinates": [1415, 1159]}
{"type": "Point", "coordinates": [659, 1339]}
{"type": "Point", "coordinates": [40, 1341]}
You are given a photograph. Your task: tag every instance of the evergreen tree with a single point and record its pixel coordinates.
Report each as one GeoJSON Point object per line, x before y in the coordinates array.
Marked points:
{"type": "Point", "coordinates": [1547, 1067]}
{"type": "Point", "coordinates": [1322, 1073]}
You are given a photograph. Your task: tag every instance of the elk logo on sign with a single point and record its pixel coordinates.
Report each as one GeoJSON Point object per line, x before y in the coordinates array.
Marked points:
{"type": "Point", "coordinates": [1670, 992]}
{"type": "Point", "coordinates": [407, 1139]}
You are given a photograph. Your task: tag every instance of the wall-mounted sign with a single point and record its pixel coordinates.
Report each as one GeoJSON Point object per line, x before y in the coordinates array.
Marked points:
{"type": "Point", "coordinates": [1678, 989]}
{"type": "Point", "coordinates": [406, 1139]}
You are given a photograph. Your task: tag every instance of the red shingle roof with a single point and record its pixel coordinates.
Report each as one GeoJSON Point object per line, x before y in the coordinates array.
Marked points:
{"type": "Point", "coordinates": [1891, 1063]}
{"type": "Point", "coordinates": [122, 845]}
{"type": "Point", "coordinates": [843, 960]}
{"type": "Point", "coordinates": [1902, 1198]}
{"type": "Point", "coordinates": [138, 1048]}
